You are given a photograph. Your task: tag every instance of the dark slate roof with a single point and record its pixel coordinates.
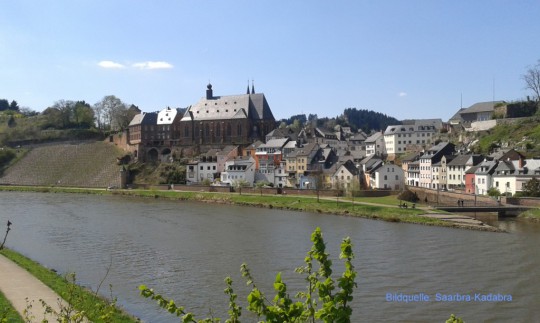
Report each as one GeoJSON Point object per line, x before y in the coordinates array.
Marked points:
{"type": "Point", "coordinates": [480, 107]}
{"type": "Point", "coordinates": [472, 170]}
{"type": "Point", "coordinates": [349, 165]}
{"type": "Point", "coordinates": [374, 137]}
{"type": "Point", "coordinates": [150, 118]}
{"type": "Point", "coordinates": [411, 157]}
{"type": "Point", "coordinates": [283, 133]}
{"type": "Point", "coordinates": [505, 166]}
{"type": "Point", "coordinates": [489, 167]}
{"type": "Point", "coordinates": [304, 151]}
{"type": "Point", "coordinates": [457, 116]}
{"type": "Point", "coordinates": [461, 160]}
{"type": "Point", "coordinates": [360, 136]}
{"type": "Point", "coordinates": [253, 106]}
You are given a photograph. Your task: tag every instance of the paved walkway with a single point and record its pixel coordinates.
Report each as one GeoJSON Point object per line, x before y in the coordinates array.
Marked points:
{"type": "Point", "coordinates": [18, 285]}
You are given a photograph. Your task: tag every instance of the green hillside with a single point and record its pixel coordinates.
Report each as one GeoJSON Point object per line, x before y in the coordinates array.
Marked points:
{"type": "Point", "coordinates": [522, 135]}
{"type": "Point", "coordinates": [80, 164]}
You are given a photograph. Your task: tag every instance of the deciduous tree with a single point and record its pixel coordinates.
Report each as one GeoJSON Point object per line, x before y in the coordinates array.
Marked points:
{"type": "Point", "coordinates": [532, 80]}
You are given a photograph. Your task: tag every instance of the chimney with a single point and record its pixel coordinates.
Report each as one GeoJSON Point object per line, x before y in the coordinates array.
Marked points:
{"type": "Point", "coordinates": [209, 93]}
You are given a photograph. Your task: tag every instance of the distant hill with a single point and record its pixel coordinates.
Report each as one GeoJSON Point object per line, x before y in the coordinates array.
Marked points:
{"type": "Point", "coordinates": [79, 164]}
{"type": "Point", "coordinates": [368, 120]}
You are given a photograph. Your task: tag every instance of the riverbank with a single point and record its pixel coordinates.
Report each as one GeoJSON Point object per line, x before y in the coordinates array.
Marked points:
{"type": "Point", "coordinates": [370, 209]}
{"type": "Point", "coordinates": [531, 215]}
{"type": "Point", "coordinates": [95, 308]}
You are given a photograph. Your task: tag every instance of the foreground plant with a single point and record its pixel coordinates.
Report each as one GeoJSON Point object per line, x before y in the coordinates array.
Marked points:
{"type": "Point", "coordinates": [320, 302]}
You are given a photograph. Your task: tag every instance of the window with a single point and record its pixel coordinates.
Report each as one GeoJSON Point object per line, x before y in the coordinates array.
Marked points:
{"type": "Point", "coordinates": [385, 177]}
{"type": "Point", "coordinates": [202, 167]}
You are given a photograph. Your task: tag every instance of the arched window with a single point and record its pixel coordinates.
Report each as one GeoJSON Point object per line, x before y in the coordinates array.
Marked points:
{"type": "Point", "coordinates": [207, 130]}
{"type": "Point", "coordinates": [186, 131]}
{"type": "Point", "coordinates": [239, 130]}
{"type": "Point", "coordinates": [229, 129]}
{"type": "Point", "coordinates": [218, 130]}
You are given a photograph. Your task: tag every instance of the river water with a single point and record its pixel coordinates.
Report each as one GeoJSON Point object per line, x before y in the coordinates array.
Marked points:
{"type": "Point", "coordinates": [184, 250]}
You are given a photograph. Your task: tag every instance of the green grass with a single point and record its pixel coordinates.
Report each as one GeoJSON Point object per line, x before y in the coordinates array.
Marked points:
{"type": "Point", "coordinates": [339, 206]}
{"type": "Point", "coordinates": [391, 200]}
{"type": "Point", "coordinates": [7, 311]}
{"type": "Point", "coordinates": [81, 298]}
{"type": "Point", "coordinates": [533, 214]}
{"type": "Point", "coordinates": [512, 134]}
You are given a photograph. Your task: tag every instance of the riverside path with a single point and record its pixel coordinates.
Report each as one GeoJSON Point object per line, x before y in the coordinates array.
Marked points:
{"type": "Point", "coordinates": [22, 289]}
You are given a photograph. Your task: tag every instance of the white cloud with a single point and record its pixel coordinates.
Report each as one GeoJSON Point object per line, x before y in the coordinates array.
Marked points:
{"type": "Point", "coordinates": [110, 64]}
{"type": "Point", "coordinates": [402, 94]}
{"type": "Point", "coordinates": [150, 65]}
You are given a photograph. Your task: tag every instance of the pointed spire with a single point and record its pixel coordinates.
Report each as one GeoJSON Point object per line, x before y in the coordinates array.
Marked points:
{"type": "Point", "coordinates": [252, 87]}
{"type": "Point", "coordinates": [247, 92]}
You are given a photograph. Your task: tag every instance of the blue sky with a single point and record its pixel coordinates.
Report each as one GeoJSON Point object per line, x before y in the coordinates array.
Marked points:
{"type": "Point", "coordinates": [407, 59]}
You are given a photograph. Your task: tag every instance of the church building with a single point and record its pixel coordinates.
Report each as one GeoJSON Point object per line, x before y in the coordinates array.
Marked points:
{"type": "Point", "coordinates": [224, 120]}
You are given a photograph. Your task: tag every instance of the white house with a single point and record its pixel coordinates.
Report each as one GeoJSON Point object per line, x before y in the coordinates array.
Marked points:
{"type": "Point", "coordinates": [375, 144]}
{"type": "Point", "coordinates": [483, 176]}
{"type": "Point", "coordinates": [509, 176]}
{"type": "Point", "coordinates": [203, 169]}
{"type": "Point", "coordinates": [431, 157]}
{"type": "Point", "coordinates": [270, 156]}
{"type": "Point", "coordinates": [387, 176]}
{"type": "Point", "coordinates": [346, 176]}
{"type": "Point", "coordinates": [457, 168]}
{"type": "Point", "coordinates": [398, 138]}
{"type": "Point", "coordinates": [239, 169]}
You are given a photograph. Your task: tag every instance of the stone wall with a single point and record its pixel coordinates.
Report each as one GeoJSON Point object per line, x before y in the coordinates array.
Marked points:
{"type": "Point", "coordinates": [451, 198]}
{"type": "Point", "coordinates": [523, 201]}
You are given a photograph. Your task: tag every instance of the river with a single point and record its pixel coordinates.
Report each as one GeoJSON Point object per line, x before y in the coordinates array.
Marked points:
{"type": "Point", "coordinates": [184, 250]}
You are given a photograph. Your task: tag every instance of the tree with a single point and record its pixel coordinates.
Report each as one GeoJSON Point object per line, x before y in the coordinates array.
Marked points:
{"type": "Point", "coordinates": [532, 80]}
{"type": "Point", "coordinates": [322, 300]}
{"type": "Point", "coordinates": [4, 105]}
{"type": "Point", "coordinates": [53, 118]}
{"type": "Point", "coordinates": [109, 112]}
{"type": "Point", "coordinates": [14, 106]}
{"type": "Point", "coordinates": [83, 115]}
{"type": "Point", "coordinates": [532, 188]}
{"type": "Point", "coordinates": [112, 113]}
{"type": "Point", "coordinates": [27, 112]}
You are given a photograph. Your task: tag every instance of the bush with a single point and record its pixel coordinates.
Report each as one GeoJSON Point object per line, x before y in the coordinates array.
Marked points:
{"type": "Point", "coordinates": [408, 196]}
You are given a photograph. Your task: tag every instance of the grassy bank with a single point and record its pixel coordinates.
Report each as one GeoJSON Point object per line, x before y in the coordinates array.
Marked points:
{"type": "Point", "coordinates": [338, 206]}
{"type": "Point", "coordinates": [7, 312]}
{"type": "Point", "coordinates": [82, 299]}
{"type": "Point", "coordinates": [533, 215]}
